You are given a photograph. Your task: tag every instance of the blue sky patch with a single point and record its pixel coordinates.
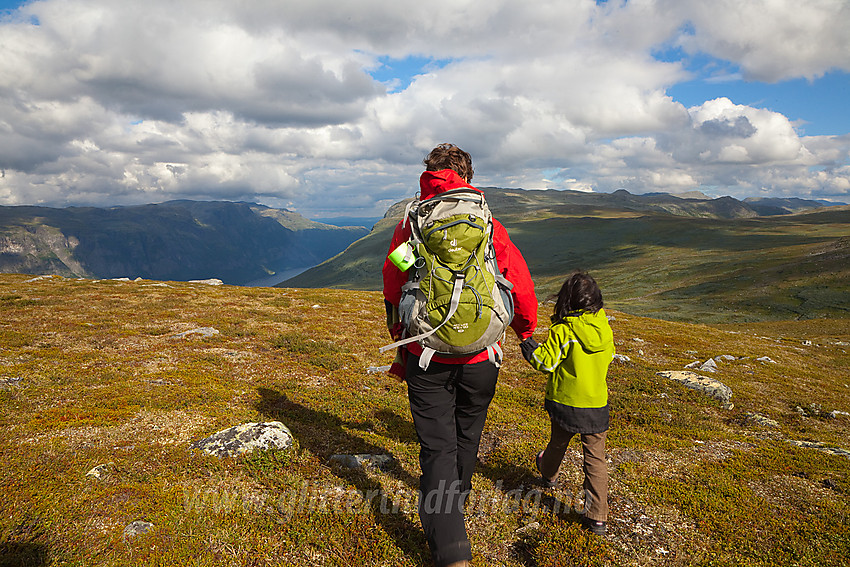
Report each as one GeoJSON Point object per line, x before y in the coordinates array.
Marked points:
{"type": "Point", "coordinates": [809, 104]}
{"type": "Point", "coordinates": [397, 74]}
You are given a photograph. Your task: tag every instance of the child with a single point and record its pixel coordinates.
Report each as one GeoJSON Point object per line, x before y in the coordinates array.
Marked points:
{"type": "Point", "coordinates": [576, 354]}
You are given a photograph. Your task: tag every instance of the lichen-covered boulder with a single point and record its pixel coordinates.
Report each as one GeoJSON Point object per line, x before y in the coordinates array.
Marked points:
{"type": "Point", "coordinates": [99, 472]}
{"type": "Point", "coordinates": [713, 388]}
{"type": "Point", "coordinates": [362, 461]}
{"type": "Point", "coordinates": [200, 332]}
{"type": "Point", "coordinates": [837, 451]}
{"type": "Point", "coordinates": [759, 419]}
{"type": "Point", "coordinates": [136, 528]}
{"type": "Point", "coordinates": [245, 438]}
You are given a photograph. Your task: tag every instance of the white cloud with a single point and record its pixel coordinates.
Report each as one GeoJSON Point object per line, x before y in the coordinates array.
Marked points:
{"type": "Point", "coordinates": [108, 102]}
{"type": "Point", "coordinates": [771, 40]}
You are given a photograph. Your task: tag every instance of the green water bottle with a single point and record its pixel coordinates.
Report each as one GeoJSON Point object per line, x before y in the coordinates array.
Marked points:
{"type": "Point", "coordinates": [403, 257]}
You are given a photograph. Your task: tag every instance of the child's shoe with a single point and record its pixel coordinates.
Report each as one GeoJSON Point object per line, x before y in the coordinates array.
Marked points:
{"type": "Point", "coordinates": [595, 526]}
{"type": "Point", "coordinates": [545, 481]}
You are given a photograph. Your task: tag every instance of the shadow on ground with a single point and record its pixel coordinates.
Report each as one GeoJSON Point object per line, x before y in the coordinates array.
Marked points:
{"type": "Point", "coordinates": [324, 434]}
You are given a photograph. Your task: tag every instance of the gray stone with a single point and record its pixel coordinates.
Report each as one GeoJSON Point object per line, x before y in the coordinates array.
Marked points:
{"type": "Point", "coordinates": [759, 419]}
{"type": "Point", "coordinates": [211, 281]}
{"type": "Point", "coordinates": [245, 438]}
{"type": "Point", "coordinates": [529, 527]}
{"type": "Point", "coordinates": [713, 388]}
{"type": "Point", "coordinates": [11, 381]}
{"type": "Point", "coordinates": [725, 357]}
{"type": "Point", "coordinates": [200, 332]}
{"type": "Point", "coordinates": [136, 528]}
{"type": "Point", "coordinates": [99, 472]}
{"type": "Point", "coordinates": [838, 452]}
{"type": "Point", "coordinates": [621, 358]}
{"type": "Point", "coordinates": [766, 359]}
{"type": "Point", "coordinates": [694, 364]}
{"type": "Point", "coordinates": [708, 366]}
{"type": "Point", "coordinates": [377, 369]}
{"type": "Point", "coordinates": [835, 413]}
{"type": "Point", "coordinates": [362, 461]}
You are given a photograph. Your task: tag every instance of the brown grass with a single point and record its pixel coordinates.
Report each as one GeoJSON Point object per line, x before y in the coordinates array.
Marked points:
{"type": "Point", "coordinates": [91, 374]}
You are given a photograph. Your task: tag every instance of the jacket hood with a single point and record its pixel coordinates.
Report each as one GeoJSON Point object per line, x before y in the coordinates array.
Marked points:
{"type": "Point", "coordinates": [435, 182]}
{"type": "Point", "coordinates": [592, 330]}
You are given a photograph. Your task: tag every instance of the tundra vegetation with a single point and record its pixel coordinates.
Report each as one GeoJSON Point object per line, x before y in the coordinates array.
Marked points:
{"type": "Point", "coordinates": [103, 391]}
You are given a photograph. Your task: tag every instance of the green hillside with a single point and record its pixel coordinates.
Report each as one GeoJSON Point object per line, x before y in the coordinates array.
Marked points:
{"type": "Point", "coordinates": [108, 376]}
{"type": "Point", "coordinates": [711, 261]}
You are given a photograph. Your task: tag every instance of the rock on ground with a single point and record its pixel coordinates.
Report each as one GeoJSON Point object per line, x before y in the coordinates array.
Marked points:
{"type": "Point", "coordinates": [99, 472]}
{"type": "Point", "coordinates": [202, 332]}
{"type": "Point", "coordinates": [837, 451]}
{"type": "Point", "coordinates": [759, 419]}
{"type": "Point", "coordinates": [713, 388]}
{"type": "Point", "coordinates": [362, 461]}
{"type": "Point", "coordinates": [138, 527]}
{"type": "Point", "coordinates": [245, 438]}
{"type": "Point", "coordinates": [11, 381]}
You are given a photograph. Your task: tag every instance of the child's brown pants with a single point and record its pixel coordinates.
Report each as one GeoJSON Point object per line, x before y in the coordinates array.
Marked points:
{"type": "Point", "coordinates": [595, 467]}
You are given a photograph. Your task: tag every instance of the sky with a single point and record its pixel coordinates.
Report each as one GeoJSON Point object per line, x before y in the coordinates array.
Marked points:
{"type": "Point", "coordinates": [327, 107]}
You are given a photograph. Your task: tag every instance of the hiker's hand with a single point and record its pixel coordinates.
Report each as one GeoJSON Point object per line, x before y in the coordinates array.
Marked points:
{"type": "Point", "coordinates": [397, 331]}
{"type": "Point", "coordinates": [528, 346]}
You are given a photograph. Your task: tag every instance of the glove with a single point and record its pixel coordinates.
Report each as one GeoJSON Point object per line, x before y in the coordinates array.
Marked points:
{"type": "Point", "coordinates": [528, 346]}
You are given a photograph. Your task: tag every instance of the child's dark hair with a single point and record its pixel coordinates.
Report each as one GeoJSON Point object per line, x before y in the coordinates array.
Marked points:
{"type": "Point", "coordinates": [579, 293]}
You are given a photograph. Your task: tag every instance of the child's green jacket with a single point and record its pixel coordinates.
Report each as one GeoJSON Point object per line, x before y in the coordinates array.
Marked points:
{"type": "Point", "coordinates": [576, 354]}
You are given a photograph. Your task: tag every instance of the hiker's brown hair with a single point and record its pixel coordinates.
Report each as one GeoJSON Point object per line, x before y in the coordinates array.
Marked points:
{"type": "Point", "coordinates": [449, 156]}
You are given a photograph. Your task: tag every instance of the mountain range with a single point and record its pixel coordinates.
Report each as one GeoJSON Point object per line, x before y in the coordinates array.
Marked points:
{"type": "Point", "coordinates": [176, 240]}
{"type": "Point", "coordinates": [691, 259]}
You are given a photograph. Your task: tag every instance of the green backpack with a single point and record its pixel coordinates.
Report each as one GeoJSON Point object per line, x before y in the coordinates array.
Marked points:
{"type": "Point", "coordinates": [455, 302]}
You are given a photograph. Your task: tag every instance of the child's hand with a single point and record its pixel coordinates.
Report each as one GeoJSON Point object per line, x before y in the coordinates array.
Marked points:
{"type": "Point", "coordinates": [528, 346]}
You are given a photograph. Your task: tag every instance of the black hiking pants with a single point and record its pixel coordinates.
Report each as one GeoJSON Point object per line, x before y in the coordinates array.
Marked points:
{"type": "Point", "coordinates": [449, 406]}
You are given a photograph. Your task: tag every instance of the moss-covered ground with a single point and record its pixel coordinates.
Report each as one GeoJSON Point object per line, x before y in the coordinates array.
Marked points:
{"type": "Point", "coordinates": [92, 373]}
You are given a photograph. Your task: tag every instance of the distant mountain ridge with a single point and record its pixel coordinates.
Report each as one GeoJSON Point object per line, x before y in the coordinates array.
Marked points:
{"type": "Point", "coordinates": [176, 240]}
{"type": "Point", "coordinates": [687, 205]}
{"type": "Point", "coordinates": [657, 255]}
{"type": "Point", "coordinates": [767, 206]}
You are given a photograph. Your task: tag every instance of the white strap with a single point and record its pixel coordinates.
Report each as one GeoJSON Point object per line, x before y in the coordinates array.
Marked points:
{"type": "Point", "coordinates": [425, 358]}
{"type": "Point", "coordinates": [457, 288]}
{"type": "Point", "coordinates": [407, 208]}
{"type": "Point", "coordinates": [495, 354]}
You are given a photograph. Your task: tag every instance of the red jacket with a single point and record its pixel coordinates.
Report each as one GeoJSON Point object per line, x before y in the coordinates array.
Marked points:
{"type": "Point", "coordinates": [510, 260]}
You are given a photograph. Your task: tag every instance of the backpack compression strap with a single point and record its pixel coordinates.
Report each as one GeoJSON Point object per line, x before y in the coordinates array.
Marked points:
{"type": "Point", "coordinates": [457, 288]}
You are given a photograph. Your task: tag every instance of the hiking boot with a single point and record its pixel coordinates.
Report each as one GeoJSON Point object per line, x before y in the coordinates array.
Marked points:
{"type": "Point", "coordinates": [595, 526]}
{"type": "Point", "coordinates": [543, 480]}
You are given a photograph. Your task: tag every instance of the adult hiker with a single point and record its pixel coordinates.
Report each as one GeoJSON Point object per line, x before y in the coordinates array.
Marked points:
{"type": "Point", "coordinates": [449, 392]}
